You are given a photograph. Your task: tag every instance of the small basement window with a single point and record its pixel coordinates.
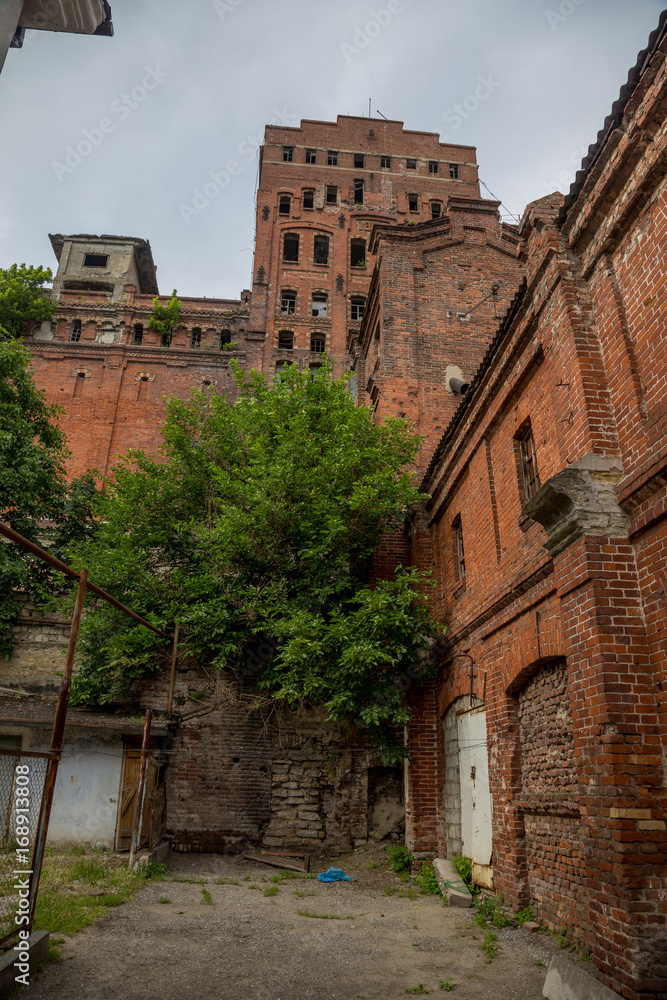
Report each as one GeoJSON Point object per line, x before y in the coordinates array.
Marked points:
{"type": "Point", "coordinates": [75, 331]}
{"type": "Point", "coordinates": [358, 191]}
{"type": "Point", "coordinates": [411, 164]}
{"type": "Point", "coordinates": [288, 154]}
{"type": "Point", "coordinates": [284, 204]}
{"type": "Point", "coordinates": [308, 198]}
{"type": "Point", "coordinates": [357, 306]}
{"type": "Point", "coordinates": [95, 260]}
{"type": "Point", "coordinates": [332, 158]}
{"type": "Point", "coordinates": [195, 337]}
{"type": "Point", "coordinates": [287, 303]}
{"type": "Point", "coordinates": [321, 250]}
{"type": "Point", "coordinates": [359, 160]}
{"type": "Point", "coordinates": [385, 162]}
{"type": "Point", "coordinates": [291, 247]}
{"type": "Point", "coordinates": [357, 253]}
{"type": "Point", "coordinates": [432, 166]}
{"type": "Point", "coordinates": [285, 340]}
{"type": "Point", "coordinates": [311, 156]}
{"type": "Point", "coordinates": [332, 194]}
{"type": "Point", "coordinates": [138, 333]}
{"type": "Point", "coordinates": [436, 209]}
{"type": "Point", "coordinates": [319, 306]}
{"type": "Point", "coordinates": [318, 343]}
{"type": "Point", "coordinates": [454, 171]}
{"type": "Point", "coordinates": [413, 203]}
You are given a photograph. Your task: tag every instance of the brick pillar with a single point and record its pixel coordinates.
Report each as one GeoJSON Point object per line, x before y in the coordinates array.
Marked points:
{"type": "Point", "coordinates": [424, 812]}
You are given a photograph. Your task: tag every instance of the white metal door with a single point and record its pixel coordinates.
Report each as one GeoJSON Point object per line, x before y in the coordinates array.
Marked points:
{"type": "Point", "coordinates": [475, 794]}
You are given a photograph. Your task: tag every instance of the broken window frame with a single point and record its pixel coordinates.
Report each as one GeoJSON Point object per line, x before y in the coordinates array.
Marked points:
{"type": "Point", "coordinates": [358, 196]}
{"type": "Point", "coordinates": [385, 162]}
{"type": "Point", "coordinates": [453, 171]}
{"type": "Point", "coordinates": [433, 166]}
{"type": "Point", "coordinates": [318, 342]}
{"type": "Point", "coordinates": [529, 479]}
{"type": "Point", "coordinates": [288, 154]}
{"type": "Point", "coordinates": [95, 259]}
{"type": "Point", "coordinates": [436, 209]}
{"type": "Point", "coordinates": [410, 164]}
{"type": "Point", "coordinates": [138, 334]}
{"type": "Point", "coordinates": [284, 204]}
{"type": "Point", "coordinates": [319, 310]}
{"type": "Point", "coordinates": [459, 548]}
{"type": "Point", "coordinates": [357, 308]}
{"type": "Point", "coordinates": [332, 158]}
{"type": "Point", "coordinates": [291, 239]}
{"type": "Point", "coordinates": [311, 156]}
{"type": "Point", "coordinates": [75, 331]}
{"type": "Point", "coordinates": [332, 194]}
{"type": "Point", "coordinates": [357, 260]}
{"type": "Point", "coordinates": [285, 340]}
{"type": "Point", "coordinates": [413, 202]}
{"type": "Point", "coordinates": [308, 196]}
{"type": "Point", "coordinates": [358, 161]}
{"type": "Point", "coordinates": [321, 245]}
{"type": "Point", "coordinates": [195, 338]}
{"type": "Point", "coordinates": [287, 302]}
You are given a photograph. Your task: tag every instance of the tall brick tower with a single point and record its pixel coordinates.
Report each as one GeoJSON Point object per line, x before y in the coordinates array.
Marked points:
{"type": "Point", "coordinates": [322, 188]}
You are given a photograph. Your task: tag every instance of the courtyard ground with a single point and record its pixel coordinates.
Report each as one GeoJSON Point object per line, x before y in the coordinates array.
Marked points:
{"type": "Point", "coordinates": [218, 926]}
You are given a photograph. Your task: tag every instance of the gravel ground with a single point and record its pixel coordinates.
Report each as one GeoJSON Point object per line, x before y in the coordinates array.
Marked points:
{"type": "Point", "coordinates": [169, 942]}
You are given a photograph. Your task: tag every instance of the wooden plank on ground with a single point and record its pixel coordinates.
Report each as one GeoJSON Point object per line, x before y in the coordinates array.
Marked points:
{"type": "Point", "coordinates": [290, 863]}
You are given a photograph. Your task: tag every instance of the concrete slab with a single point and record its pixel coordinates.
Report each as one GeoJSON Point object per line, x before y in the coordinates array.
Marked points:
{"type": "Point", "coordinates": [452, 886]}
{"type": "Point", "coordinates": [566, 981]}
{"type": "Point", "coordinates": [38, 944]}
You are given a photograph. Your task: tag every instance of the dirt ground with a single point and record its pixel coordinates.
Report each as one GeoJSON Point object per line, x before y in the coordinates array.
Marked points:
{"type": "Point", "coordinates": [170, 942]}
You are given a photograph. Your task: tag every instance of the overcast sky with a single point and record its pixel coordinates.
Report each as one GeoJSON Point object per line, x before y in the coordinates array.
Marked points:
{"type": "Point", "coordinates": [185, 87]}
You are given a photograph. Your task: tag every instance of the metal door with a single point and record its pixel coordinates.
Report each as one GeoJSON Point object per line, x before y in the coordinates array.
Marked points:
{"type": "Point", "coordinates": [476, 830]}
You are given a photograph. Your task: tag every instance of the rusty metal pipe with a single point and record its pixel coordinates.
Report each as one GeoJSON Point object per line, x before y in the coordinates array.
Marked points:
{"type": "Point", "coordinates": [141, 791]}
{"type": "Point", "coordinates": [173, 672]}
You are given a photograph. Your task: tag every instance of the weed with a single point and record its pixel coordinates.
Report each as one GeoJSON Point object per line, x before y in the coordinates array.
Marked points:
{"type": "Point", "coordinates": [271, 890]}
{"type": "Point", "coordinates": [153, 872]}
{"type": "Point", "coordinates": [226, 881]}
{"type": "Point", "coordinates": [90, 870]}
{"type": "Point", "coordinates": [253, 886]}
{"type": "Point", "coordinates": [539, 962]}
{"type": "Point", "coordinates": [463, 868]}
{"type": "Point", "coordinates": [79, 849]}
{"type": "Point", "coordinates": [400, 859]}
{"type": "Point", "coordinates": [417, 989]}
{"type": "Point", "coordinates": [491, 910]}
{"type": "Point", "coordinates": [208, 899]}
{"type": "Point", "coordinates": [163, 899]}
{"type": "Point", "coordinates": [300, 895]}
{"type": "Point", "coordinates": [390, 890]}
{"type": "Point", "coordinates": [324, 916]}
{"type": "Point", "coordinates": [489, 946]}
{"type": "Point", "coordinates": [190, 881]}
{"type": "Point", "coordinates": [523, 916]}
{"type": "Point", "coordinates": [427, 881]}
{"type": "Point", "coordinates": [446, 984]}
{"type": "Point", "coordinates": [480, 920]}
{"type": "Point", "coordinates": [374, 864]}
{"type": "Point", "coordinates": [409, 893]}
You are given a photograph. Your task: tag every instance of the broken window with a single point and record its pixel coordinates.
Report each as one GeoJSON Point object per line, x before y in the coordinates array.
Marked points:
{"type": "Point", "coordinates": [166, 339]}
{"type": "Point", "coordinates": [281, 369]}
{"type": "Point", "coordinates": [332, 194]}
{"type": "Point", "coordinates": [357, 253]}
{"type": "Point", "coordinates": [315, 369]}
{"type": "Point", "coordinates": [385, 162]}
{"type": "Point", "coordinates": [288, 154]}
{"type": "Point", "coordinates": [311, 156]}
{"type": "Point", "coordinates": [285, 340]}
{"type": "Point", "coordinates": [332, 158]}
{"type": "Point", "coordinates": [432, 166]}
{"type": "Point", "coordinates": [75, 331]}
{"type": "Point", "coordinates": [195, 337]}
{"type": "Point", "coordinates": [291, 247]}
{"type": "Point", "coordinates": [459, 553]}
{"type": "Point", "coordinates": [287, 302]}
{"type": "Point", "coordinates": [95, 260]}
{"type": "Point", "coordinates": [318, 343]}
{"type": "Point", "coordinates": [319, 306]}
{"type": "Point", "coordinates": [358, 192]}
{"type": "Point", "coordinates": [528, 463]}
{"type": "Point", "coordinates": [357, 306]}
{"type": "Point", "coordinates": [411, 164]}
{"type": "Point", "coordinates": [138, 333]}
{"type": "Point", "coordinates": [321, 250]}
{"type": "Point", "coordinates": [413, 203]}
{"type": "Point", "coordinates": [454, 171]}
{"type": "Point", "coordinates": [308, 198]}
{"type": "Point", "coordinates": [436, 209]}
{"type": "Point", "coordinates": [359, 160]}
{"type": "Point", "coordinates": [284, 204]}
{"type": "Point", "coordinates": [225, 338]}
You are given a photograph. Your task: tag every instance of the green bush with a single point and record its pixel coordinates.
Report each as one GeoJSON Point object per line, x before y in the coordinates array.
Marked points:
{"type": "Point", "coordinates": [427, 882]}
{"type": "Point", "coordinates": [400, 858]}
{"type": "Point", "coordinates": [463, 867]}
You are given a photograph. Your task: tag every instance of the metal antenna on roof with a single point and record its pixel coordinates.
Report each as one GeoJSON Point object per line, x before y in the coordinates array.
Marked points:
{"type": "Point", "coordinates": [369, 107]}
{"type": "Point", "coordinates": [381, 115]}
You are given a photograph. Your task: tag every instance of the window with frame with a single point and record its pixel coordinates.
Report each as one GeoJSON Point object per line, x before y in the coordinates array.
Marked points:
{"type": "Point", "coordinates": [359, 161]}
{"type": "Point", "coordinates": [311, 156]}
{"type": "Point", "coordinates": [436, 209]}
{"type": "Point", "coordinates": [138, 334]}
{"type": "Point", "coordinates": [319, 305]}
{"type": "Point", "coordinates": [288, 154]}
{"type": "Point", "coordinates": [195, 337]}
{"type": "Point", "coordinates": [357, 306]}
{"type": "Point", "coordinates": [413, 203]}
{"type": "Point", "coordinates": [284, 204]}
{"type": "Point", "coordinates": [285, 340]}
{"type": "Point", "coordinates": [318, 343]}
{"type": "Point", "coordinates": [529, 479]}
{"type": "Point", "coordinates": [291, 247]}
{"type": "Point", "coordinates": [332, 158]}
{"type": "Point", "coordinates": [357, 253]}
{"type": "Point", "coordinates": [321, 250]}
{"type": "Point", "coordinates": [459, 551]}
{"type": "Point", "coordinates": [410, 164]}
{"type": "Point", "coordinates": [432, 166]}
{"type": "Point", "coordinates": [358, 191]}
{"type": "Point", "coordinates": [75, 331]}
{"type": "Point", "coordinates": [385, 162]}
{"type": "Point", "coordinates": [287, 302]}
{"type": "Point", "coordinates": [454, 171]}
{"type": "Point", "coordinates": [309, 198]}
{"type": "Point", "coordinates": [95, 259]}
{"type": "Point", "coordinates": [332, 194]}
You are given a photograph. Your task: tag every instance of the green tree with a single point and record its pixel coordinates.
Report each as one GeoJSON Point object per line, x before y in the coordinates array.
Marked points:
{"type": "Point", "coordinates": [254, 529]}
{"type": "Point", "coordinates": [22, 298]}
{"type": "Point", "coordinates": [35, 499]}
{"type": "Point", "coordinates": [164, 318]}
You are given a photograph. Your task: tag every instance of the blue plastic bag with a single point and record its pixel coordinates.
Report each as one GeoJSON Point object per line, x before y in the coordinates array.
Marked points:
{"type": "Point", "coordinates": [334, 875]}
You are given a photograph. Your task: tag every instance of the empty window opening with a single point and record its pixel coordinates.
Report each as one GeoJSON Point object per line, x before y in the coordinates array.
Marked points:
{"type": "Point", "coordinates": [285, 340]}
{"type": "Point", "coordinates": [284, 204]}
{"type": "Point", "coordinates": [138, 333]}
{"type": "Point", "coordinates": [357, 253]}
{"type": "Point", "coordinates": [166, 339]}
{"type": "Point", "coordinates": [291, 247]}
{"type": "Point", "coordinates": [281, 369]}
{"type": "Point", "coordinates": [195, 337]}
{"type": "Point", "coordinates": [321, 250]}
{"type": "Point", "coordinates": [432, 166]}
{"type": "Point", "coordinates": [528, 461]}
{"type": "Point", "coordinates": [413, 203]}
{"type": "Point", "coordinates": [143, 387]}
{"type": "Point", "coordinates": [411, 164]}
{"type": "Point", "coordinates": [454, 171]}
{"type": "Point", "coordinates": [225, 338]}
{"type": "Point", "coordinates": [459, 553]}
{"type": "Point", "coordinates": [358, 192]}
{"type": "Point", "coordinates": [308, 198]}
{"type": "Point", "coordinates": [318, 343]}
{"type": "Point", "coordinates": [311, 156]}
{"type": "Point", "coordinates": [315, 369]}
{"type": "Point", "coordinates": [359, 160]}
{"type": "Point", "coordinates": [385, 162]}
{"type": "Point", "coordinates": [78, 383]}
{"type": "Point", "coordinates": [287, 303]}
{"type": "Point", "coordinates": [95, 260]}
{"type": "Point", "coordinates": [288, 154]}
{"type": "Point", "coordinates": [332, 158]}
{"type": "Point", "coordinates": [75, 331]}
{"type": "Point", "coordinates": [332, 194]}
{"type": "Point", "coordinates": [436, 209]}
{"type": "Point", "coordinates": [320, 302]}
{"type": "Point", "coordinates": [357, 306]}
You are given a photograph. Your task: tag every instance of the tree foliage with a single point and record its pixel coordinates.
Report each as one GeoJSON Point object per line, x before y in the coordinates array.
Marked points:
{"type": "Point", "coordinates": [22, 298]}
{"type": "Point", "coordinates": [34, 497]}
{"type": "Point", "coordinates": [256, 525]}
{"type": "Point", "coordinates": [164, 318]}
